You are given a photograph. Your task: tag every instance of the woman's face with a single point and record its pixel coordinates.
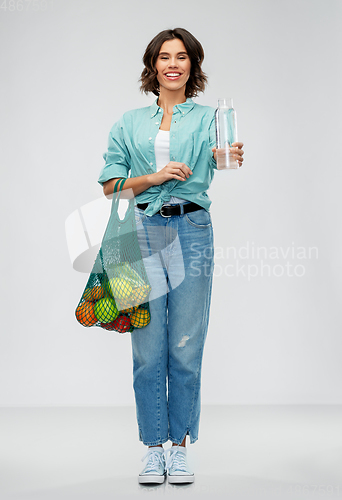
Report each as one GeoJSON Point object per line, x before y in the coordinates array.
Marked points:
{"type": "Point", "coordinates": [173, 65]}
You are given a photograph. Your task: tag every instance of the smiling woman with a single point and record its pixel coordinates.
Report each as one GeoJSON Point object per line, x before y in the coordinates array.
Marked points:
{"type": "Point", "coordinates": [164, 153]}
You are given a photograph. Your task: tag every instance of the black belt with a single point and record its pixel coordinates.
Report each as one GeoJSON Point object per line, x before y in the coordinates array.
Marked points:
{"type": "Point", "coordinates": [168, 210]}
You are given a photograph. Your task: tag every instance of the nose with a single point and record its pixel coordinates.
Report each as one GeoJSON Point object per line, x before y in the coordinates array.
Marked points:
{"type": "Point", "coordinates": [173, 63]}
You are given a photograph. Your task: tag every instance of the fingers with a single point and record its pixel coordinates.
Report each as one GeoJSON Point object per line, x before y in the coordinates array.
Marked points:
{"type": "Point", "coordinates": [235, 148]}
{"type": "Point", "coordinates": [180, 173]}
{"type": "Point", "coordinates": [237, 152]}
{"type": "Point", "coordinates": [184, 169]}
{"type": "Point", "coordinates": [175, 176]}
{"type": "Point", "coordinates": [174, 170]}
{"type": "Point", "coordinates": [179, 170]}
{"type": "Point", "coordinates": [177, 173]}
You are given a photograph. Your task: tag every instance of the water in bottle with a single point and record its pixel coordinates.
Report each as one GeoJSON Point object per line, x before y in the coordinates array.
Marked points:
{"type": "Point", "coordinates": [226, 134]}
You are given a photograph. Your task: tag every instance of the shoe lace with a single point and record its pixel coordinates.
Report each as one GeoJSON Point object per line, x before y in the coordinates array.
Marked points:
{"type": "Point", "coordinates": [155, 459]}
{"type": "Point", "coordinates": [175, 459]}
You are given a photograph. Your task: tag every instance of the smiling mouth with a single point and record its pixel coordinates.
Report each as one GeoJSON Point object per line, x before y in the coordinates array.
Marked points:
{"type": "Point", "coordinates": [172, 75]}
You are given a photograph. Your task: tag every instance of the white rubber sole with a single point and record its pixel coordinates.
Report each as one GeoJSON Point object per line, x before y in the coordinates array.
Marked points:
{"type": "Point", "coordinates": [173, 479]}
{"type": "Point", "coordinates": [150, 478]}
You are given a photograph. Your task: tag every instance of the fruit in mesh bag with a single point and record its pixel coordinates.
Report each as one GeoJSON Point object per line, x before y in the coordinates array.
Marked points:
{"type": "Point", "coordinates": [129, 310]}
{"type": "Point", "coordinates": [85, 314]}
{"type": "Point", "coordinates": [140, 318]}
{"type": "Point", "coordinates": [120, 288]}
{"type": "Point", "coordinates": [105, 310]}
{"type": "Point", "coordinates": [121, 324]}
{"type": "Point", "coordinates": [134, 277]}
{"type": "Point", "coordinates": [94, 293]}
{"type": "Point", "coordinates": [140, 294]}
{"type": "Point", "coordinates": [123, 304]}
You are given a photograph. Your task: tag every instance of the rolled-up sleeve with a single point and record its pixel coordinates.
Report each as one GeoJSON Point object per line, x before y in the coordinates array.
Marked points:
{"type": "Point", "coordinates": [117, 157]}
{"type": "Point", "coordinates": [212, 142]}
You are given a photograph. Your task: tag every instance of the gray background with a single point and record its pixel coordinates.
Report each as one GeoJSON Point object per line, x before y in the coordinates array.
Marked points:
{"type": "Point", "coordinates": [68, 74]}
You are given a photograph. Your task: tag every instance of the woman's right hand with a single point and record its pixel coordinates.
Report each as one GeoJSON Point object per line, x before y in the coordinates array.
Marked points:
{"type": "Point", "coordinates": [173, 170]}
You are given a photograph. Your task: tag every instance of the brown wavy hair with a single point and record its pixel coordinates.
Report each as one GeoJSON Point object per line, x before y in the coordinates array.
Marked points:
{"type": "Point", "coordinates": [197, 79]}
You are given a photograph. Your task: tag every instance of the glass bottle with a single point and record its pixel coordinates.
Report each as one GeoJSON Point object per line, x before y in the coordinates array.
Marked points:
{"type": "Point", "coordinates": [226, 134]}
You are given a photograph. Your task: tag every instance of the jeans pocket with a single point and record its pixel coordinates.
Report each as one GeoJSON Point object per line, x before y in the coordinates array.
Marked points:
{"type": "Point", "coordinates": [199, 218]}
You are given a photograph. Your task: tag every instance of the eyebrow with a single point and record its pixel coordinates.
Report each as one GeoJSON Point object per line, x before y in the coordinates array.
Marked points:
{"type": "Point", "coordinates": [169, 54]}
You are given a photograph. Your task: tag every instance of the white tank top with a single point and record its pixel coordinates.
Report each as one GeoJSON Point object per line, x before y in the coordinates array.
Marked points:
{"type": "Point", "coordinates": [162, 152]}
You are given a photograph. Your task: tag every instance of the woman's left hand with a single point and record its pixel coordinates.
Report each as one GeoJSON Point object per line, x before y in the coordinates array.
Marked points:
{"type": "Point", "coordinates": [236, 150]}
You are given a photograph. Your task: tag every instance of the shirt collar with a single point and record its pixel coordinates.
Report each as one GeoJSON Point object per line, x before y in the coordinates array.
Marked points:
{"type": "Point", "coordinates": [183, 107]}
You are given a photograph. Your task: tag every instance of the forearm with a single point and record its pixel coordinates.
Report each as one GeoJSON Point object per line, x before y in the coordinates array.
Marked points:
{"type": "Point", "coordinates": [173, 170]}
{"type": "Point", "coordinates": [136, 184]}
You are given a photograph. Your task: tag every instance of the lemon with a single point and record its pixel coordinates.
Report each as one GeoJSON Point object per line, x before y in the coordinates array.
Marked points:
{"type": "Point", "coordinates": [120, 288]}
{"type": "Point", "coordinates": [124, 304]}
{"type": "Point", "coordinates": [140, 294]}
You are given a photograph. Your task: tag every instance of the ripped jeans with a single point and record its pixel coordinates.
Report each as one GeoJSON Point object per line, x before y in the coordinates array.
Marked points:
{"type": "Point", "coordinates": [178, 254]}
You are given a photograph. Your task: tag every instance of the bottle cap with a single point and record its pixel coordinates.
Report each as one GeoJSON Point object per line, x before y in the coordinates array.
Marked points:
{"type": "Point", "coordinates": [224, 102]}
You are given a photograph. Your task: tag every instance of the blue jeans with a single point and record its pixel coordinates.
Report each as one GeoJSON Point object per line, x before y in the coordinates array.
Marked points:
{"type": "Point", "coordinates": [178, 255]}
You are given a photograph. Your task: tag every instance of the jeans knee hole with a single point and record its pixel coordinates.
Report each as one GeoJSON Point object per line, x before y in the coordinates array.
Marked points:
{"type": "Point", "coordinates": [183, 341]}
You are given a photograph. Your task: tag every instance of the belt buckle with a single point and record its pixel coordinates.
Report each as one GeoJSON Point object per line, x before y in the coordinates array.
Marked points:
{"type": "Point", "coordinates": [161, 210]}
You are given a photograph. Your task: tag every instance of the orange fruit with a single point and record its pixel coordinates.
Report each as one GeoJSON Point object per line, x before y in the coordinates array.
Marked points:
{"type": "Point", "coordinates": [95, 293]}
{"type": "Point", "coordinates": [140, 318]}
{"type": "Point", "coordinates": [85, 314]}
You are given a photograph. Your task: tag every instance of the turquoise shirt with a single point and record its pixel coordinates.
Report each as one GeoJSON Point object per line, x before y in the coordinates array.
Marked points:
{"type": "Point", "coordinates": [192, 137]}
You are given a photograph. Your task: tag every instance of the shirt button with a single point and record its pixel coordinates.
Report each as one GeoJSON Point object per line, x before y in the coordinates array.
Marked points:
{"type": "Point", "coordinates": [173, 157]}
{"type": "Point", "coordinates": [151, 163]}
{"type": "Point", "coordinates": [157, 123]}
{"type": "Point", "coordinates": [158, 110]}
{"type": "Point", "coordinates": [183, 112]}
{"type": "Point", "coordinates": [150, 138]}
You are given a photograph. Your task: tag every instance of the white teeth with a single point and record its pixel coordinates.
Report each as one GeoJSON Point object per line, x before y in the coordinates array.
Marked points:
{"type": "Point", "coordinates": [172, 74]}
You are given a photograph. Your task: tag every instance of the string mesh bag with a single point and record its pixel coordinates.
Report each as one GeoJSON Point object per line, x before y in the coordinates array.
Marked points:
{"type": "Point", "coordinates": [116, 296]}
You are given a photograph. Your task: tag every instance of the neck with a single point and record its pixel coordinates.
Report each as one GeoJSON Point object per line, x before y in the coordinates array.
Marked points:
{"type": "Point", "coordinates": [170, 98]}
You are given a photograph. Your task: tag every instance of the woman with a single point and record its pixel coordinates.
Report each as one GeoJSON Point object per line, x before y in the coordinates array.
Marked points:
{"type": "Point", "coordinates": [168, 148]}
